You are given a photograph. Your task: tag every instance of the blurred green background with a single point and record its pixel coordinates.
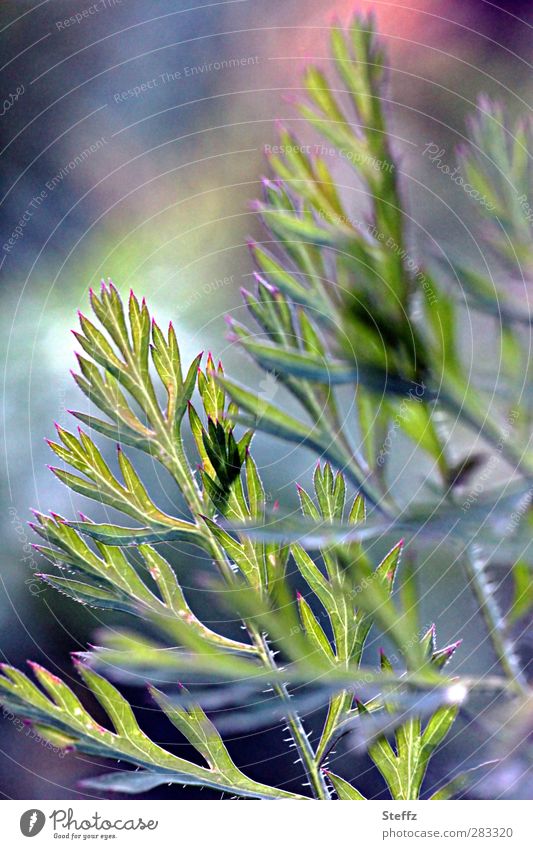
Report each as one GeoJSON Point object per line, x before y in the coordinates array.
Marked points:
{"type": "Point", "coordinates": [132, 149]}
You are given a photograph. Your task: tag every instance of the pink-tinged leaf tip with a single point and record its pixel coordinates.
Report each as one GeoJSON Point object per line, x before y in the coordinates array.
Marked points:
{"type": "Point", "coordinates": [271, 289]}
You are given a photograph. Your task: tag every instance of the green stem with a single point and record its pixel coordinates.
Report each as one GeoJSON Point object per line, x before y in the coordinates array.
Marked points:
{"type": "Point", "coordinates": [490, 612]}
{"type": "Point", "coordinates": [305, 750]}
{"type": "Point", "coordinates": [183, 475]}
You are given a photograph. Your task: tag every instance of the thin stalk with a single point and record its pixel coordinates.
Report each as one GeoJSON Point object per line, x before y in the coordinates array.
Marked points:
{"type": "Point", "coordinates": [305, 750]}
{"type": "Point", "coordinates": [490, 612]}
{"type": "Point", "coordinates": [488, 606]}
{"type": "Point", "coordinates": [181, 471]}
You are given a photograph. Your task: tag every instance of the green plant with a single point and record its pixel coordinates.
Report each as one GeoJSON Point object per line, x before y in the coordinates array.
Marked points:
{"type": "Point", "coordinates": [339, 302]}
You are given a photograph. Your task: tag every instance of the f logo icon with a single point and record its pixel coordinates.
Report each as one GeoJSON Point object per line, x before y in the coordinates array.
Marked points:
{"type": "Point", "coordinates": [32, 822]}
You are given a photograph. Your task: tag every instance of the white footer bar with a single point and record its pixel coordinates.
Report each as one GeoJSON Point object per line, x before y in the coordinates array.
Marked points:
{"type": "Point", "coordinates": [266, 825]}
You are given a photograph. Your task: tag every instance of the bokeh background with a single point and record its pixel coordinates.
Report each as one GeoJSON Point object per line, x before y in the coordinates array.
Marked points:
{"type": "Point", "coordinates": [161, 204]}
